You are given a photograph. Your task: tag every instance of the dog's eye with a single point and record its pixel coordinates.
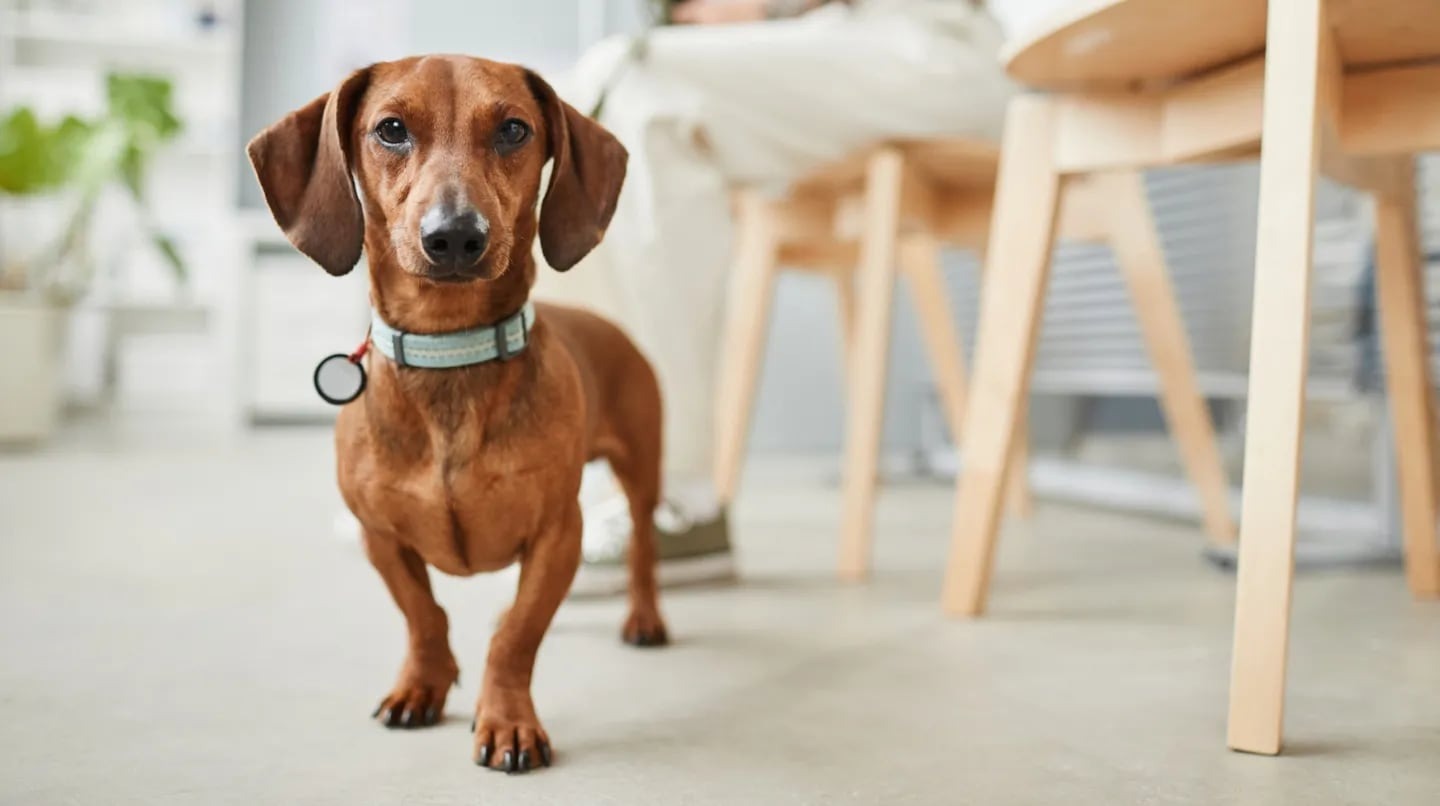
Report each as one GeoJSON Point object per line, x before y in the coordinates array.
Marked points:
{"type": "Point", "coordinates": [392, 132]}
{"type": "Point", "coordinates": [511, 135]}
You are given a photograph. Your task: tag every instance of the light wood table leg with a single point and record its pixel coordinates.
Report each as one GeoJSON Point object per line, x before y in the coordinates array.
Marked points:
{"type": "Point", "coordinates": [752, 285]}
{"type": "Point", "coordinates": [865, 403]}
{"type": "Point", "coordinates": [1278, 354]}
{"type": "Point", "coordinates": [1012, 297]}
{"type": "Point", "coordinates": [1142, 262]}
{"type": "Point", "coordinates": [1401, 293]}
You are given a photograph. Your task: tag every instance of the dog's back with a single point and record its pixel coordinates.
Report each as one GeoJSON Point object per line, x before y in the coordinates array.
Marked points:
{"type": "Point", "coordinates": [622, 395]}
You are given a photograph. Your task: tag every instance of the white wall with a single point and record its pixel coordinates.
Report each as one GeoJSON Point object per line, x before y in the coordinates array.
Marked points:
{"type": "Point", "coordinates": [543, 34]}
{"type": "Point", "coordinates": [297, 49]}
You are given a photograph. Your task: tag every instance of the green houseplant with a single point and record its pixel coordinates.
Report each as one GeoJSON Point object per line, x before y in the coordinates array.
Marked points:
{"type": "Point", "coordinates": [71, 162]}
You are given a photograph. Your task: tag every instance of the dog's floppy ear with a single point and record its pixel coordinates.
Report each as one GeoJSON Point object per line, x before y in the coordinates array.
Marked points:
{"type": "Point", "coordinates": [303, 164]}
{"type": "Point", "coordinates": [585, 180]}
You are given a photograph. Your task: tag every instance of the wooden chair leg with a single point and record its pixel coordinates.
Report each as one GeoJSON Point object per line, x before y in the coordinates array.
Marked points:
{"type": "Point", "coordinates": [920, 262]}
{"type": "Point", "coordinates": [1401, 293]}
{"type": "Point", "coordinates": [1278, 355]}
{"type": "Point", "coordinates": [1019, 503]}
{"type": "Point", "coordinates": [865, 402]}
{"type": "Point", "coordinates": [1434, 408]}
{"type": "Point", "coordinates": [1142, 261]}
{"type": "Point", "coordinates": [752, 285]}
{"type": "Point", "coordinates": [1018, 260]}
{"type": "Point", "coordinates": [845, 307]}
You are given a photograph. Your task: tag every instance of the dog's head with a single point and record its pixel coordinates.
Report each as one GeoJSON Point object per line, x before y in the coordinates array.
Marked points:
{"type": "Point", "coordinates": [447, 153]}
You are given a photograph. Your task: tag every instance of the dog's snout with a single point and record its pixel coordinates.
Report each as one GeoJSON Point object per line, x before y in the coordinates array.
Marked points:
{"type": "Point", "coordinates": [453, 239]}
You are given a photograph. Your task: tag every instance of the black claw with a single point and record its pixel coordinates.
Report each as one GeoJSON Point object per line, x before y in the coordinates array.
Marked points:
{"type": "Point", "coordinates": [391, 717]}
{"type": "Point", "coordinates": [484, 759]}
{"type": "Point", "coordinates": [377, 710]}
{"type": "Point", "coordinates": [407, 718]}
{"type": "Point", "coordinates": [472, 724]}
{"type": "Point", "coordinates": [431, 715]}
{"type": "Point", "coordinates": [524, 760]}
{"type": "Point", "coordinates": [545, 753]}
{"type": "Point", "coordinates": [509, 762]}
{"type": "Point", "coordinates": [645, 639]}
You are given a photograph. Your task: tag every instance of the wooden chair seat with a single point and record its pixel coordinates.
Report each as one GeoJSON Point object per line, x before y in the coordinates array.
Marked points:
{"type": "Point", "coordinates": [1116, 44]}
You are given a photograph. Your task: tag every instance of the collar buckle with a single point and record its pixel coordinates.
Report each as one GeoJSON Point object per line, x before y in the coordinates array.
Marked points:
{"type": "Point", "coordinates": [398, 346]}
{"type": "Point", "coordinates": [502, 342]}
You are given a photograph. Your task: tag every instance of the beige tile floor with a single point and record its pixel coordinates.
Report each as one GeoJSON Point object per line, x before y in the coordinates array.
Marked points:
{"type": "Point", "coordinates": [179, 624]}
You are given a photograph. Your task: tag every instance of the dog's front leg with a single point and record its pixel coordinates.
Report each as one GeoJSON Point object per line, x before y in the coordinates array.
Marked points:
{"type": "Point", "coordinates": [508, 735]}
{"type": "Point", "coordinates": [418, 698]}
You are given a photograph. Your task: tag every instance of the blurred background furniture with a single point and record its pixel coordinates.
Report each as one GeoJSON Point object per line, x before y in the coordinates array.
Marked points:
{"type": "Point", "coordinates": [140, 341]}
{"type": "Point", "coordinates": [1341, 87]}
{"type": "Point", "coordinates": [866, 219]}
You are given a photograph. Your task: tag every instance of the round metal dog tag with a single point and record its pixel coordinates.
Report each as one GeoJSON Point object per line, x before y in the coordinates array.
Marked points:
{"type": "Point", "coordinates": [339, 379]}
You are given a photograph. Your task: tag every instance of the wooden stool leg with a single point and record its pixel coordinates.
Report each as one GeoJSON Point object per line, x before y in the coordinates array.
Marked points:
{"type": "Point", "coordinates": [865, 403]}
{"type": "Point", "coordinates": [1019, 503]}
{"type": "Point", "coordinates": [920, 261]}
{"type": "Point", "coordinates": [1142, 262]}
{"type": "Point", "coordinates": [1434, 408]}
{"type": "Point", "coordinates": [1278, 355]}
{"type": "Point", "coordinates": [752, 286]}
{"type": "Point", "coordinates": [845, 306]}
{"type": "Point", "coordinates": [1401, 293]}
{"type": "Point", "coordinates": [1018, 265]}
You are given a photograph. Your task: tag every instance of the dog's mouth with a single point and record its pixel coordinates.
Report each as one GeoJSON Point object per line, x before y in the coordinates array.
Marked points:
{"type": "Point", "coordinates": [454, 276]}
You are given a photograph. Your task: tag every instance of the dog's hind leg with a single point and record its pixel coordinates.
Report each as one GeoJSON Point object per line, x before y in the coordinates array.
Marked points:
{"type": "Point", "coordinates": [418, 698]}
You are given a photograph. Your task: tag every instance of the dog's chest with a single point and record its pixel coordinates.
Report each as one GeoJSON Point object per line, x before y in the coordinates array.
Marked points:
{"type": "Point", "coordinates": [462, 520]}
{"type": "Point", "coordinates": [466, 492]}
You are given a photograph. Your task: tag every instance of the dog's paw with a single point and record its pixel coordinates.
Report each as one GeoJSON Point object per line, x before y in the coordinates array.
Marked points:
{"type": "Point", "coordinates": [418, 699]}
{"type": "Point", "coordinates": [510, 739]}
{"type": "Point", "coordinates": [644, 628]}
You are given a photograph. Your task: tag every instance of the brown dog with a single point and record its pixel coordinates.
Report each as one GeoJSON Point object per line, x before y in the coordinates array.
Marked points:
{"type": "Point", "coordinates": [469, 469]}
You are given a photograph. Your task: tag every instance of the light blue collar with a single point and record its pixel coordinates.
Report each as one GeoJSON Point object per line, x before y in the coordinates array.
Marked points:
{"type": "Point", "coordinates": [502, 340]}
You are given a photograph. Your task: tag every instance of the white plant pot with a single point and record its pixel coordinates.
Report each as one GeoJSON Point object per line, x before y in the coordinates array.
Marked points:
{"type": "Point", "coordinates": [30, 353]}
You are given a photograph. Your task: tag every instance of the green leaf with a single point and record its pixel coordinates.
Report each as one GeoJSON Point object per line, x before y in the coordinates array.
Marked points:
{"type": "Point", "coordinates": [98, 160]}
{"type": "Point", "coordinates": [88, 155]}
{"type": "Point", "coordinates": [25, 162]}
{"type": "Point", "coordinates": [68, 142]}
{"type": "Point", "coordinates": [143, 104]}
{"type": "Point", "coordinates": [172, 255]}
{"type": "Point", "coordinates": [132, 170]}
{"type": "Point", "coordinates": [21, 158]}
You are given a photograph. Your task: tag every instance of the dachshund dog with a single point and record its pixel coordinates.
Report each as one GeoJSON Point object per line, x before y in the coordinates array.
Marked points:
{"type": "Point", "coordinates": [433, 164]}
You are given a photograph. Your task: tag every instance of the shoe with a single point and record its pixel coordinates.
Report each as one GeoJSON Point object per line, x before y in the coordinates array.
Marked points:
{"type": "Point", "coordinates": [691, 550]}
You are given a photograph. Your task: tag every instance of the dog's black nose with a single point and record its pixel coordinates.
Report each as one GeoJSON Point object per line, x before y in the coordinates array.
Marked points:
{"type": "Point", "coordinates": [453, 239]}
